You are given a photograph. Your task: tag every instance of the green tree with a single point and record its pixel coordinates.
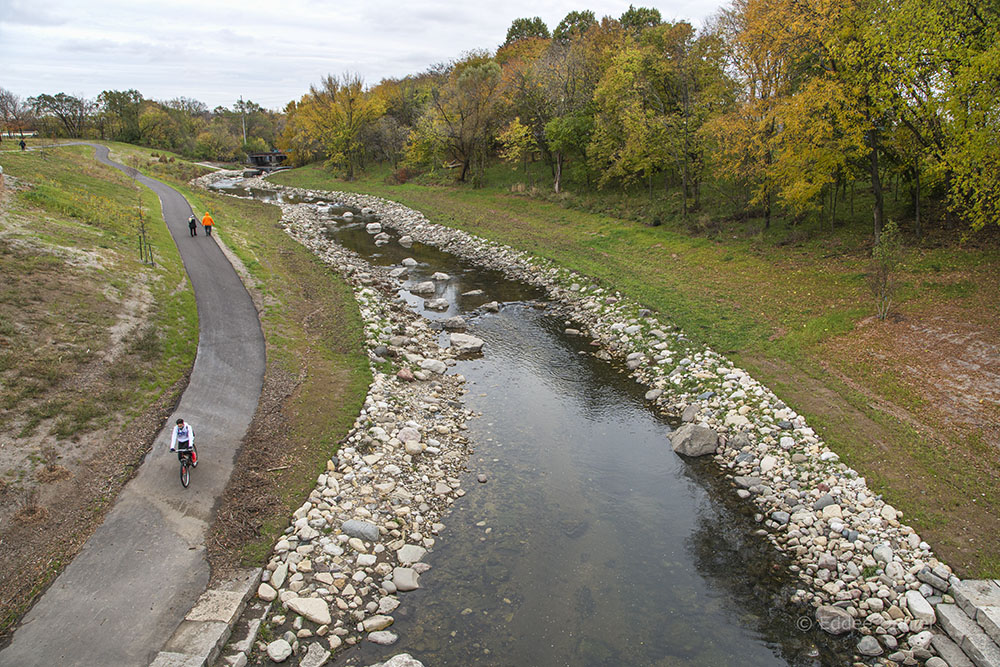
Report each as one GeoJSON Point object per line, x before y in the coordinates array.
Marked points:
{"type": "Point", "coordinates": [636, 19]}
{"type": "Point", "coordinates": [525, 28]}
{"type": "Point", "coordinates": [465, 111]}
{"type": "Point", "coordinates": [118, 110]}
{"type": "Point", "coordinates": [72, 113]}
{"type": "Point", "coordinates": [574, 25]}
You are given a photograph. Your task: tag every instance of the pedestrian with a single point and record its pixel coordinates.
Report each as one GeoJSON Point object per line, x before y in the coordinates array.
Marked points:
{"type": "Point", "coordinates": [207, 223]}
{"type": "Point", "coordinates": [23, 145]}
{"type": "Point", "coordinates": [193, 225]}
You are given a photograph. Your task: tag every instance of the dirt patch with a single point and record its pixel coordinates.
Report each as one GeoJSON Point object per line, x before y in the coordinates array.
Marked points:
{"type": "Point", "coordinates": [34, 548]}
{"type": "Point", "coordinates": [251, 497]}
{"type": "Point", "coordinates": [914, 404]}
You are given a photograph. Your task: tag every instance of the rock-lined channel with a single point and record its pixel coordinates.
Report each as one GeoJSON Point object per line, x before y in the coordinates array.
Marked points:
{"type": "Point", "coordinates": [591, 543]}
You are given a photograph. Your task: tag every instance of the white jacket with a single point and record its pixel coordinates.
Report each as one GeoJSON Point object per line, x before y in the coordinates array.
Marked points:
{"type": "Point", "coordinates": [173, 437]}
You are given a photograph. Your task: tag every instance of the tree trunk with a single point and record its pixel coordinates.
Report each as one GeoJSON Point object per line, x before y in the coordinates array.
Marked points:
{"type": "Point", "coordinates": [916, 198]}
{"type": "Point", "coordinates": [557, 164]}
{"type": "Point", "coordinates": [877, 206]}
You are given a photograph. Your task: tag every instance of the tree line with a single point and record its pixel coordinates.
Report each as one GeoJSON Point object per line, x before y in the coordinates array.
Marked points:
{"type": "Point", "coordinates": [791, 102]}
{"type": "Point", "coordinates": [180, 125]}
{"type": "Point", "coordinates": [782, 106]}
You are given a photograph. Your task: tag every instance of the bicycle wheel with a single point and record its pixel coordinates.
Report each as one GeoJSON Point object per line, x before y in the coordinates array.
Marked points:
{"type": "Point", "coordinates": [185, 474]}
{"type": "Point", "coordinates": [194, 456]}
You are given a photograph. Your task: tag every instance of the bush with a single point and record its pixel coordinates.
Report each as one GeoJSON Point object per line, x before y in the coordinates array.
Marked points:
{"type": "Point", "coordinates": [401, 175]}
{"type": "Point", "coordinates": [885, 261]}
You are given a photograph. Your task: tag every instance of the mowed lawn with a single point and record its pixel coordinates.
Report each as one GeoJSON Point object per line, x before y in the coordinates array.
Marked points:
{"type": "Point", "coordinates": [911, 403]}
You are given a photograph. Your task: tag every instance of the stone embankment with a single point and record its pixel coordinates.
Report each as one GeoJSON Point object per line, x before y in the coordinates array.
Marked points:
{"type": "Point", "coordinates": [863, 570]}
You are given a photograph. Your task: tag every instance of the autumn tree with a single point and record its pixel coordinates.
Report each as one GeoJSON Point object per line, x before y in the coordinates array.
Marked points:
{"type": "Point", "coordinates": [335, 114]}
{"type": "Point", "coordinates": [516, 141]}
{"type": "Point", "coordinates": [762, 71]}
{"type": "Point", "coordinates": [464, 113]}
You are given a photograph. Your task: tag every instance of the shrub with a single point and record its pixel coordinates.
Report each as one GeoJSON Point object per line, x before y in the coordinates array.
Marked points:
{"type": "Point", "coordinates": [885, 261]}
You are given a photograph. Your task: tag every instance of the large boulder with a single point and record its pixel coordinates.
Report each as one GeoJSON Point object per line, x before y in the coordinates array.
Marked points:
{"type": "Point", "coordinates": [360, 529]}
{"type": "Point", "coordinates": [315, 609]}
{"type": "Point", "coordinates": [834, 620]}
{"type": "Point", "coordinates": [426, 287]}
{"type": "Point", "coordinates": [694, 440]}
{"type": "Point", "coordinates": [465, 343]}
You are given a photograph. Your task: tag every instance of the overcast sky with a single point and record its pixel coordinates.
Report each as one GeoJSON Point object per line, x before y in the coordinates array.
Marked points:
{"type": "Point", "coordinates": [267, 51]}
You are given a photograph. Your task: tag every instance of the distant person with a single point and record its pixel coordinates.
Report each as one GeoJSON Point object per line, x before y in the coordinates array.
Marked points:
{"type": "Point", "coordinates": [207, 223]}
{"type": "Point", "coordinates": [23, 145]}
{"type": "Point", "coordinates": [182, 440]}
{"type": "Point", "coordinates": [193, 225]}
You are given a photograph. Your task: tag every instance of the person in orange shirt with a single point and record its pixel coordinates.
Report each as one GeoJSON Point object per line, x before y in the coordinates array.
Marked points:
{"type": "Point", "coordinates": [207, 223]}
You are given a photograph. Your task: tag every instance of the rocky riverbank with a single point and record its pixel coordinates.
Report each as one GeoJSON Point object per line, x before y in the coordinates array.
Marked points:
{"type": "Point", "coordinates": [862, 569]}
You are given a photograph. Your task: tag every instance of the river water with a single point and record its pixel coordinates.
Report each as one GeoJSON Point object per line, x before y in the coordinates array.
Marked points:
{"type": "Point", "coordinates": [592, 544]}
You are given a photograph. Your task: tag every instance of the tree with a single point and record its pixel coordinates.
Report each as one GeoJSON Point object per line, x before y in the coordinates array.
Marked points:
{"type": "Point", "coordinates": [158, 130]}
{"type": "Point", "coordinates": [335, 115]}
{"type": "Point", "coordinates": [762, 68]}
{"type": "Point", "coordinates": [464, 112]}
{"type": "Point", "coordinates": [118, 113]}
{"type": "Point", "coordinates": [636, 19]}
{"type": "Point", "coordinates": [217, 143]}
{"type": "Point", "coordinates": [14, 112]}
{"type": "Point", "coordinates": [568, 135]}
{"type": "Point", "coordinates": [72, 112]}
{"type": "Point", "coordinates": [574, 25]}
{"type": "Point", "coordinates": [885, 260]}
{"type": "Point", "coordinates": [525, 28]}
{"type": "Point", "coordinates": [517, 141]}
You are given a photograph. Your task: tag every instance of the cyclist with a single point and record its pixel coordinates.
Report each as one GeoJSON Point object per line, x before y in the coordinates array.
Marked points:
{"type": "Point", "coordinates": [182, 440]}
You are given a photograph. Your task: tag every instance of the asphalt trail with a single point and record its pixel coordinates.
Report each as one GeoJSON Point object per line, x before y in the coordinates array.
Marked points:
{"type": "Point", "coordinates": [129, 588]}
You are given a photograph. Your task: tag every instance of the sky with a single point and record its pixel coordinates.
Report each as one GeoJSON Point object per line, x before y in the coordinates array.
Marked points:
{"type": "Point", "coordinates": [268, 51]}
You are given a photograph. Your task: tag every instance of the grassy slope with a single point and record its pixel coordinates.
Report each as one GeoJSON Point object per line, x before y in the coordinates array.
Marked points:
{"type": "Point", "coordinates": [69, 261]}
{"type": "Point", "coordinates": [791, 309]}
{"type": "Point", "coordinates": [314, 338]}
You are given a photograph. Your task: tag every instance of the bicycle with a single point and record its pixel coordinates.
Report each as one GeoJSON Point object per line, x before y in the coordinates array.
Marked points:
{"type": "Point", "coordinates": [189, 460]}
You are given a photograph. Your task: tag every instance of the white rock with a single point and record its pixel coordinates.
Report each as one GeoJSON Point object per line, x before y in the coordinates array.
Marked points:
{"type": "Point", "coordinates": [465, 344]}
{"type": "Point", "coordinates": [278, 576]}
{"type": "Point", "coordinates": [410, 554]}
{"type": "Point", "coordinates": [316, 656]}
{"type": "Point", "coordinates": [279, 650]}
{"type": "Point", "coordinates": [315, 609]}
{"type": "Point", "coordinates": [920, 608]}
{"type": "Point", "coordinates": [405, 579]}
{"type": "Point", "coordinates": [375, 623]}
{"type": "Point", "coordinates": [266, 593]}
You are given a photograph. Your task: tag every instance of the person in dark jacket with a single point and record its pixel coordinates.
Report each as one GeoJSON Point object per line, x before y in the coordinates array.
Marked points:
{"type": "Point", "coordinates": [193, 225]}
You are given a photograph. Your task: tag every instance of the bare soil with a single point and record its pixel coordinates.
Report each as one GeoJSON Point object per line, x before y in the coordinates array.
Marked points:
{"type": "Point", "coordinates": [937, 373]}
{"type": "Point", "coordinates": [38, 541]}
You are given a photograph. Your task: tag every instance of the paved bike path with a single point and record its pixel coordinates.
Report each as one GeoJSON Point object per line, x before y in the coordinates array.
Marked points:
{"type": "Point", "coordinates": [140, 572]}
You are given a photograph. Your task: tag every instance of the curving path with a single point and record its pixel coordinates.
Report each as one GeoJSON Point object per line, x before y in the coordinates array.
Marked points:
{"type": "Point", "coordinates": [141, 571]}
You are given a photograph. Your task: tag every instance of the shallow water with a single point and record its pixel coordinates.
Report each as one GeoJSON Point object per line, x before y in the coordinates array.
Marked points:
{"type": "Point", "coordinates": [592, 543]}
